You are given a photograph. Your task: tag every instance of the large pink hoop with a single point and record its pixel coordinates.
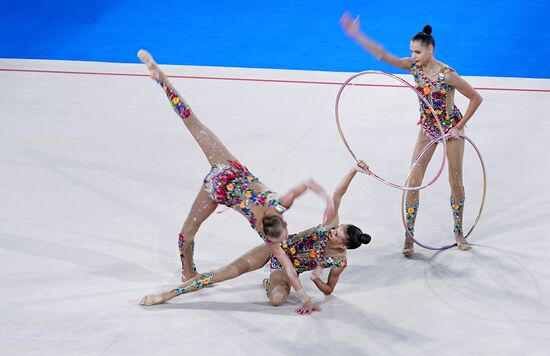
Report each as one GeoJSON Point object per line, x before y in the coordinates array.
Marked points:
{"type": "Point", "coordinates": [337, 105]}
{"type": "Point", "coordinates": [403, 218]}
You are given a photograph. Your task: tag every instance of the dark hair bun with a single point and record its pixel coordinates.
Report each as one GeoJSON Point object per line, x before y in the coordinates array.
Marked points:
{"type": "Point", "coordinates": [365, 238]}
{"type": "Point", "coordinates": [427, 29]}
{"type": "Point", "coordinates": [356, 237]}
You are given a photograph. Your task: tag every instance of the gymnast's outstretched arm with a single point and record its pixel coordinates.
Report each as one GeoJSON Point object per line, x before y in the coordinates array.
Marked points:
{"type": "Point", "coordinates": [352, 28]}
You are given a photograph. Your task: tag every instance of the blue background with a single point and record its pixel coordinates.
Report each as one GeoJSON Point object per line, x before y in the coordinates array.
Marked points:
{"type": "Point", "coordinates": [500, 38]}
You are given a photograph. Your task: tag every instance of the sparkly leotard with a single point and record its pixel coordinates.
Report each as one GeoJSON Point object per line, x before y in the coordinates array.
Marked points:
{"type": "Point", "coordinates": [306, 251]}
{"type": "Point", "coordinates": [229, 184]}
{"type": "Point", "coordinates": [440, 95]}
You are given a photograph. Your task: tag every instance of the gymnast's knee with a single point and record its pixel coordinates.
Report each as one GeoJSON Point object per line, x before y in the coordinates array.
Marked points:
{"type": "Point", "coordinates": [277, 298]}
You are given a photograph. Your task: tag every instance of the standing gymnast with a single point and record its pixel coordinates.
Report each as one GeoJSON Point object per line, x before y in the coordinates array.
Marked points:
{"type": "Point", "coordinates": [232, 184]}
{"type": "Point", "coordinates": [437, 82]}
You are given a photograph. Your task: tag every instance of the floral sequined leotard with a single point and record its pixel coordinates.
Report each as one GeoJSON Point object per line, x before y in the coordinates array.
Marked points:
{"type": "Point", "coordinates": [306, 251]}
{"type": "Point", "coordinates": [440, 95]}
{"type": "Point", "coordinates": [229, 184]}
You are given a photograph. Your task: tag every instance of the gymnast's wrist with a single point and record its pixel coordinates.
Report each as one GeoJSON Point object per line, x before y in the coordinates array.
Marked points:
{"type": "Point", "coordinates": [303, 296]}
{"type": "Point", "coordinates": [358, 35]}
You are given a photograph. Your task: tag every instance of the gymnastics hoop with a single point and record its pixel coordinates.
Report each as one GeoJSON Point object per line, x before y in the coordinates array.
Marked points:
{"type": "Point", "coordinates": [393, 185]}
{"type": "Point", "coordinates": [403, 218]}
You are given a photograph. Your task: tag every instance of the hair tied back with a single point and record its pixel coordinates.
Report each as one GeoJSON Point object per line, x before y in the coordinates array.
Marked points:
{"type": "Point", "coordinates": [427, 30]}
{"type": "Point", "coordinates": [365, 238]}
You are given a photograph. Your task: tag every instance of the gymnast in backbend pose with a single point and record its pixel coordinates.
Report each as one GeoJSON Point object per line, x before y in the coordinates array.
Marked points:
{"type": "Point", "coordinates": [324, 246]}
{"type": "Point", "coordinates": [437, 82]}
{"type": "Point", "coordinates": [230, 183]}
